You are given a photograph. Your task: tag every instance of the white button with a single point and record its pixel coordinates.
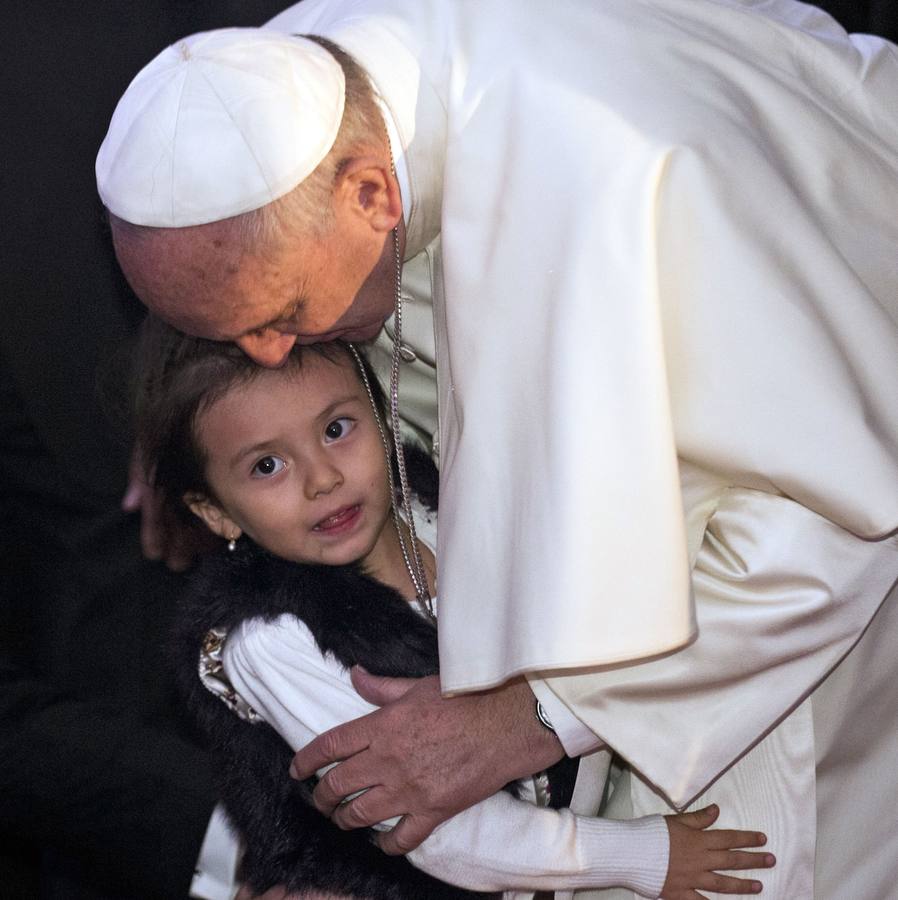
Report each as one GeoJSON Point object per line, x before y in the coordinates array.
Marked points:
{"type": "Point", "coordinates": [408, 355]}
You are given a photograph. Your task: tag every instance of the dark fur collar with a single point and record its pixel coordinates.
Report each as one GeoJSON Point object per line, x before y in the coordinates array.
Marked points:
{"type": "Point", "coordinates": [357, 620]}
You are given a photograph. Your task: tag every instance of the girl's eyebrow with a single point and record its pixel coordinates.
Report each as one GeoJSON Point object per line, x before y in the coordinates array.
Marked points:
{"type": "Point", "coordinates": [246, 451]}
{"type": "Point", "coordinates": [259, 446]}
{"type": "Point", "coordinates": [328, 410]}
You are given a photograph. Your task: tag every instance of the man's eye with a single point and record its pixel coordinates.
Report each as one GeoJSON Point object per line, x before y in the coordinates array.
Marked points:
{"type": "Point", "coordinates": [267, 466]}
{"type": "Point", "coordinates": [338, 428]}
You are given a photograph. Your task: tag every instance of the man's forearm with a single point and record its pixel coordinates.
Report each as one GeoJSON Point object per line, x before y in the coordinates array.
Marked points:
{"type": "Point", "coordinates": [781, 595]}
{"type": "Point", "coordinates": [425, 757]}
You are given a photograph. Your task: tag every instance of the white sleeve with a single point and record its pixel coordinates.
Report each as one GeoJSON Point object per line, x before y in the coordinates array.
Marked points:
{"type": "Point", "coordinates": [781, 595]}
{"type": "Point", "coordinates": [499, 844]}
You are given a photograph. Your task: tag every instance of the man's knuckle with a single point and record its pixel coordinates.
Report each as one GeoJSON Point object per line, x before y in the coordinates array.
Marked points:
{"type": "Point", "coordinates": [331, 782]}
{"type": "Point", "coordinates": [405, 845]}
{"type": "Point", "coordinates": [328, 743]}
{"type": "Point", "coordinates": [348, 817]}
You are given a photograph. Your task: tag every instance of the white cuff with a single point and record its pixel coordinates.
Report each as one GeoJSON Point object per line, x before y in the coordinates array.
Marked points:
{"type": "Point", "coordinates": [575, 737]}
{"type": "Point", "coordinates": [631, 854]}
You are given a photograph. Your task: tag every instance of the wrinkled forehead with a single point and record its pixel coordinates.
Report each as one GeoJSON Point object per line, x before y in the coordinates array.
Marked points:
{"type": "Point", "coordinates": [189, 277]}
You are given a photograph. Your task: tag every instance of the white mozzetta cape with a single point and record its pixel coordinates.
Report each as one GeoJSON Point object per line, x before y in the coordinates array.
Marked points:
{"type": "Point", "coordinates": [668, 229]}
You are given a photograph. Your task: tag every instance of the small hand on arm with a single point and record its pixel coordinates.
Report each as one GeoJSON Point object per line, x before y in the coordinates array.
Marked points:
{"type": "Point", "coordinates": [424, 757]}
{"type": "Point", "coordinates": [696, 855]}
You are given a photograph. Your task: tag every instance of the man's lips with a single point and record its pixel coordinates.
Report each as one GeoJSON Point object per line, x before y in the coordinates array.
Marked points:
{"type": "Point", "coordinates": [340, 521]}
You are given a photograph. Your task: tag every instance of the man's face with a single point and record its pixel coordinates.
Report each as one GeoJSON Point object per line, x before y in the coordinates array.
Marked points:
{"type": "Point", "coordinates": [318, 289]}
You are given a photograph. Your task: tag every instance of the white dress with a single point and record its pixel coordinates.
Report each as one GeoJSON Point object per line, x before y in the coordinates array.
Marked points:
{"type": "Point", "coordinates": [658, 242]}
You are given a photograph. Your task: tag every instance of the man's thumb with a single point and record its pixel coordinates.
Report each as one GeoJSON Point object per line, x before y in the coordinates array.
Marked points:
{"type": "Point", "coordinates": [378, 689]}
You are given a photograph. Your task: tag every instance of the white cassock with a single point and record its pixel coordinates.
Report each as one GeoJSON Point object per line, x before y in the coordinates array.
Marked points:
{"type": "Point", "coordinates": [660, 238]}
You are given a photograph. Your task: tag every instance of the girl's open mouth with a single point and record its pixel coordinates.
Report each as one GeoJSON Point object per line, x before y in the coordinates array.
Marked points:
{"type": "Point", "coordinates": [340, 521]}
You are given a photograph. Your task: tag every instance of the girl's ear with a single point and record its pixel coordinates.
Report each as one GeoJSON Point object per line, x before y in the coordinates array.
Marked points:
{"type": "Point", "coordinates": [216, 519]}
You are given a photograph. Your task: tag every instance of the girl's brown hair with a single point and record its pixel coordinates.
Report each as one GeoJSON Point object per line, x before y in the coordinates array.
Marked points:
{"type": "Point", "coordinates": [178, 377]}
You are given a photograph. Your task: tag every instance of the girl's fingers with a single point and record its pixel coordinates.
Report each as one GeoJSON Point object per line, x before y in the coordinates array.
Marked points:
{"type": "Point", "coordinates": [700, 819]}
{"type": "Point", "coordinates": [727, 884]}
{"type": "Point", "coordinates": [741, 859]}
{"type": "Point", "coordinates": [727, 838]}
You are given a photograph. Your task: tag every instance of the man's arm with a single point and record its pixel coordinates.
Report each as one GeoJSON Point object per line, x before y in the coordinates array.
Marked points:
{"type": "Point", "coordinates": [782, 595]}
{"type": "Point", "coordinates": [501, 843]}
{"type": "Point", "coordinates": [494, 738]}
{"type": "Point", "coordinates": [279, 670]}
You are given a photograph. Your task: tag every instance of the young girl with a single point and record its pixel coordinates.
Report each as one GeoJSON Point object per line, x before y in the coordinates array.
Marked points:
{"type": "Point", "coordinates": [289, 468]}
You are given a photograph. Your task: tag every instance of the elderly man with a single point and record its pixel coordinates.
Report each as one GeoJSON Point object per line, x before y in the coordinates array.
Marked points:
{"type": "Point", "coordinates": [658, 242]}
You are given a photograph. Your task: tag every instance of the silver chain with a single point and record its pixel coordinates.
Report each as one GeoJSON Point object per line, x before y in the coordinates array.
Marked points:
{"type": "Point", "coordinates": [411, 550]}
{"type": "Point", "coordinates": [415, 564]}
{"type": "Point", "coordinates": [412, 560]}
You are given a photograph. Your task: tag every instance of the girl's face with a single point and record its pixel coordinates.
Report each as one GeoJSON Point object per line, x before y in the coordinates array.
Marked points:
{"type": "Point", "coordinates": [295, 460]}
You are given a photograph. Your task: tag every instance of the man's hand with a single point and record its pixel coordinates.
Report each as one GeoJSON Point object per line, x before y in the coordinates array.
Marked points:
{"type": "Point", "coordinates": [424, 757]}
{"type": "Point", "coordinates": [162, 535]}
{"type": "Point", "coordinates": [697, 855]}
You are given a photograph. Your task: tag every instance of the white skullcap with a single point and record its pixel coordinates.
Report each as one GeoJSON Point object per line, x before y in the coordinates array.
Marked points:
{"type": "Point", "coordinates": [218, 124]}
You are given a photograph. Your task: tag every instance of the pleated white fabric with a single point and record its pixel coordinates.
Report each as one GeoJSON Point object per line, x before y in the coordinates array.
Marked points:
{"type": "Point", "coordinates": [667, 231]}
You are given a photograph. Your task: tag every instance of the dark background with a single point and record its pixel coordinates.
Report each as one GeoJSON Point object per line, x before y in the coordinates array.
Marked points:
{"type": "Point", "coordinates": [872, 16]}
{"type": "Point", "coordinates": [103, 794]}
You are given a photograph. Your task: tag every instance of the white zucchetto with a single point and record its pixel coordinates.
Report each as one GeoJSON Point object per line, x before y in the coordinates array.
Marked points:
{"type": "Point", "coordinates": [220, 123]}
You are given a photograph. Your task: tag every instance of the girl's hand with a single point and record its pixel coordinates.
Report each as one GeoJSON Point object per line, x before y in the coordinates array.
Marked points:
{"type": "Point", "coordinates": [696, 855]}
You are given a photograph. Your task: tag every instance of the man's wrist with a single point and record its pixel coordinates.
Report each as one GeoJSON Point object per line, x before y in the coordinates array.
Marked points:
{"type": "Point", "coordinates": [576, 738]}
{"type": "Point", "coordinates": [538, 748]}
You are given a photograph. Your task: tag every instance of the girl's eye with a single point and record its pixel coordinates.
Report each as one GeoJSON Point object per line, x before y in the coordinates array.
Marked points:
{"type": "Point", "coordinates": [267, 466]}
{"type": "Point", "coordinates": [339, 428]}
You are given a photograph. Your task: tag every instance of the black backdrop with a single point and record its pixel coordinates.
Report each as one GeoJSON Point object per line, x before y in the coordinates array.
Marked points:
{"type": "Point", "coordinates": [102, 793]}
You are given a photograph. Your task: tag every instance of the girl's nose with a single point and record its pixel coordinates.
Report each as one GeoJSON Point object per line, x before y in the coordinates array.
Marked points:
{"type": "Point", "coordinates": [322, 477]}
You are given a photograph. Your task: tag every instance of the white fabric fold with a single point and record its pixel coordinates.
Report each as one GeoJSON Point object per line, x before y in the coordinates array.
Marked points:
{"type": "Point", "coordinates": [782, 595]}
{"type": "Point", "coordinates": [687, 253]}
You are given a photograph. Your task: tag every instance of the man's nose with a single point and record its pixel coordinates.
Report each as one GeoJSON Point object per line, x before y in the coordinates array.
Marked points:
{"type": "Point", "coordinates": [322, 476]}
{"type": "Point", "coordinates": [268, 348]}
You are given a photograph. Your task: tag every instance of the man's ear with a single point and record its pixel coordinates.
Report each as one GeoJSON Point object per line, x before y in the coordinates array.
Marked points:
{"type": "Point", "coordinates": [216, 519]}
{"type": "Point", "coordinates": [366, 188]}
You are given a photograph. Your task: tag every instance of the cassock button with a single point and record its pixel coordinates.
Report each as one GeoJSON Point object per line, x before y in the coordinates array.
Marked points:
{"type": "Point", "coordinates": [408, 355]}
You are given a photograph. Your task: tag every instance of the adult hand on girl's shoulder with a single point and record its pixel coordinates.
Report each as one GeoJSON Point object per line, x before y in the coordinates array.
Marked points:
{"type": "Point", "coordinates": [424, 757]}
{"type": "Point", "coordinates": [162, 536]}
{"type": "Point", "coordinates": [697, 855]}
